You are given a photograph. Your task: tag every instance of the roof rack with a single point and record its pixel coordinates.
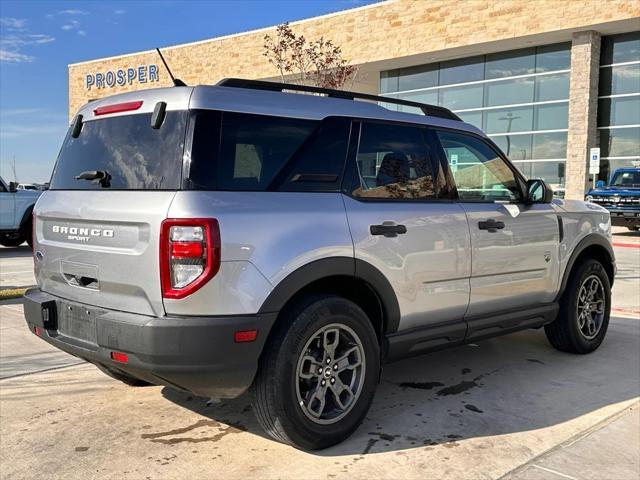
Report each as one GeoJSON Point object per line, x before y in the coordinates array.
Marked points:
{"type": "Point", "coordinates": [430, 110]}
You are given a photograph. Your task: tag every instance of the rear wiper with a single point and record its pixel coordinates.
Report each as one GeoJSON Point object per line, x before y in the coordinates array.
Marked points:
{"type": "Point", "coordinates": [97, 176]}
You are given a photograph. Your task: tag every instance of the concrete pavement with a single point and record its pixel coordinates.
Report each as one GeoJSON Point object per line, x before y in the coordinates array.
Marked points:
{"type": "Point", "coordinates": [510, 406]}
{"type": "Point", "coordinates": [16, 267]}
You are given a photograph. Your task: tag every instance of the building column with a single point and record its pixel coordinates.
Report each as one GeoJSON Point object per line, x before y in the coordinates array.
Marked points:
{"type": "Point", "coordinates": [583, 110]}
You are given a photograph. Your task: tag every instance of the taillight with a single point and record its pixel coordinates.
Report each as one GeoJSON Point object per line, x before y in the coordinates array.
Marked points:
{"type": "Point", "coordinates": [189, 254]}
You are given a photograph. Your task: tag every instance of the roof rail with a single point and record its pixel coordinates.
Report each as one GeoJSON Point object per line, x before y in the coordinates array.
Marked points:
{"type": "Point", "coordinates": [430, 110]}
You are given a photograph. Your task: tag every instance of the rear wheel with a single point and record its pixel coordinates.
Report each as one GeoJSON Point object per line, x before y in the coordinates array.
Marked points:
{"type": "Point", "coordinates": [318, 374]}
{"type": "Point", "coordinates": [15, 241]}
{"type": "Point", "coordinates": [584, 310]}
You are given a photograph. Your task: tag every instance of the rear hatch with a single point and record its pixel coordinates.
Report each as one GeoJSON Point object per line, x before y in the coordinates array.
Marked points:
{"type": "Point", "coordinates": [98, 227]}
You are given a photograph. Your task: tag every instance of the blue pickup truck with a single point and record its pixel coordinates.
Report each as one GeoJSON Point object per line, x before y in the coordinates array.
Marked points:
{"type": "Point", "coordinates": [621, 197]}
{"type": "Point", "coordinates": [16, 206]}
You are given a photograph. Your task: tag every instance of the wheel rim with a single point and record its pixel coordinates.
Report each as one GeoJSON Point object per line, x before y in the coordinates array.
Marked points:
{"type": "Point", "coordinates": [330, 373]}
{"type": "Point", "coordinates": [591, 307]}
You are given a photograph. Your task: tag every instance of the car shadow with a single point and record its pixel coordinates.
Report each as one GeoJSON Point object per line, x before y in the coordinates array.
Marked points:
{"type": "Point", "coordinates": [506, 385]}
{"type": "Point", "coordinates": [11, 252]}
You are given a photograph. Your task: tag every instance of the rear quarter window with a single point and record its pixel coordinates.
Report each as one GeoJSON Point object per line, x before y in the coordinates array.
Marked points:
{"type": "Point", "coordinates": [246, 152]}
{"type": "Point", "coordinates": [136, 156]}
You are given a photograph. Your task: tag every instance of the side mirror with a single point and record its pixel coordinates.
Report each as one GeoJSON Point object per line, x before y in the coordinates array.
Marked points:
{"type": "Point", "coordinates": [600, 184]}
{"type": "Point", "coordinates": [13, 187]}
{"type": "Point", "coordinates": [538, 191]}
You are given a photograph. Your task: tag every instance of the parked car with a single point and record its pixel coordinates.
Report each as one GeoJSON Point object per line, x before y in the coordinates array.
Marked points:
{"type": "Point", "coordinates": [27, 186]}
{"type": "Point", "coordinates": [621, 196]}
{"type": "Point", "coordinates": [244, 236]}
{"type": "Point", "coordinates": [16, 206]}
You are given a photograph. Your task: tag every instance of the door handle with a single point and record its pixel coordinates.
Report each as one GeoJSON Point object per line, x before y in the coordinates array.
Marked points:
{"type": "Point", "coordinates": [491, 225]}
{"type": "Point", "coordinates": [389, 231]}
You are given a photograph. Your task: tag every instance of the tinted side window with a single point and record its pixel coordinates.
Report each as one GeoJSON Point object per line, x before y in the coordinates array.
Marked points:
{"type": "Point", "coordinates": [393, 161]}
{"type": "Point", "coordinates": [479, 173]}
{"type": "Point", "coordinates": [237, 151]}
{"type": "Point", "coordinates": [2, 189]}
{"type": "Point", "coordinates": [318, 164]}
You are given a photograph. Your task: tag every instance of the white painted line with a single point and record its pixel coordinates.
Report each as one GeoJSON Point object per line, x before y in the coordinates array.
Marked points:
{"type": "Point", "coordinates": [555, 472]}
{"type": "Point", "coordinates": [17, 271]}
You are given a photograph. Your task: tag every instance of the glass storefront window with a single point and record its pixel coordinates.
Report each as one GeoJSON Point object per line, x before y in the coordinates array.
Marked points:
{"type": "Point", "coordinates": [549, 145]}
{"type": "Point", "coordinates": [553, 57]}
{"type": "Point", "coordinates": [552, 87]}
{"type": "Point", "coordinates": [509, 92]}
{"type": "Point", "coordinates": [461, 71]}
{"type": "Point", "coordinates": [458, 98]}
{"type": "Point", "coordinates": [619, 111]}
{"type": "Point", "coordinates": [551, 116]}
{"type": "Point", "coordinates": [620, 48]}
{"type": "Point", "coordinates": [423, 76]}
{"type": "Point", "coordinates": [486, 86]}
{"type": "Point", "coordinates": [620, 142]}
{"type": "Point", "coordinates": [518, 119]}
{"type": "Point", "coordinates": [474, 118]}
{"type": "Point", "coordinates": [515, 147]}
{"type": "Point", "coordinates": [510, 64]}
{"type": "Point", "coordinates": [620, 80]}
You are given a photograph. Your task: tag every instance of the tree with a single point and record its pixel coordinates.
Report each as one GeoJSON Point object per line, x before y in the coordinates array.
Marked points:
{"type": "Point", "coordinates": [317, 62]}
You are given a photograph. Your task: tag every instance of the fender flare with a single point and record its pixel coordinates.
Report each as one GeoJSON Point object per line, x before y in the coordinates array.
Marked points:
{"type": "Point", "coordinates": [26, 216]}
{"type": "Point", "coordinates": [336, 266]}
{"type": "Point", "coordinates": [592, 239]}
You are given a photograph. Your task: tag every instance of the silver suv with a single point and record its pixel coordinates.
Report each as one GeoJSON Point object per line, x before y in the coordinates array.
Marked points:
{"type": "Point", "coordinates": [289, 240]}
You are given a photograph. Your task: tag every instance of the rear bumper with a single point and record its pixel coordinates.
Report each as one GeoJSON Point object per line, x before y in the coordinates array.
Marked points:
{"type": "Point", "coordinates": [196, 354]}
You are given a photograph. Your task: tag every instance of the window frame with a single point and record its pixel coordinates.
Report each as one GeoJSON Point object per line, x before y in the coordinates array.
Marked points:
{"type": "Point", "coordinates": [351, 178]}
{"type": "Point", "coordinates": [521, 180]}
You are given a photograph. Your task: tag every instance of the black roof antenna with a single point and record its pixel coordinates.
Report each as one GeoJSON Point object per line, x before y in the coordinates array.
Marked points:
{"type": "Point", "coordinates": [176, 81]}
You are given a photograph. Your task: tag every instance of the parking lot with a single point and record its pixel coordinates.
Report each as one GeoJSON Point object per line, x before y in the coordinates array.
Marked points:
{"type": "Point", "coordinates": [509, 407]}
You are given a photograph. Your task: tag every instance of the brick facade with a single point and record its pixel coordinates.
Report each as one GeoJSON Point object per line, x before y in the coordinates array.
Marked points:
{"type": "Point", "coordinates": [583, 110]}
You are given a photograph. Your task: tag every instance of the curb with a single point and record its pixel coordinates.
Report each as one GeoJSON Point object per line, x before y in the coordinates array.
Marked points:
{"type": "Point", "coordinates": [626, 244]}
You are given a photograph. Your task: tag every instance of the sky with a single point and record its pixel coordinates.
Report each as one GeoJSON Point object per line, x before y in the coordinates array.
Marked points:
{"type": "Point", "coordinates": [38, 39]}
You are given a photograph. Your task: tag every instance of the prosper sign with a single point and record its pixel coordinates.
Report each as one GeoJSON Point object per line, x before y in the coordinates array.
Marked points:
{"type": "Point", "coordinates": [122, 76]}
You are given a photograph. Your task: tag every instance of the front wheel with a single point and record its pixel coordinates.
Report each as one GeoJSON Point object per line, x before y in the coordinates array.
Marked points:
{"type": "Point", "coordinates": [584, 310]}
{"type": "Point", "coordinates": [318, 374]}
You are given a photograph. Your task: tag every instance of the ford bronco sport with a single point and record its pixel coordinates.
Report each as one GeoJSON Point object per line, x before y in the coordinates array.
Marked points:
{"type": "Point", "coordinates": [246, 235]}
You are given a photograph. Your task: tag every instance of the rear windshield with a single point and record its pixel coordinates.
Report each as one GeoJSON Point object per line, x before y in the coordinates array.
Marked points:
{"type": "Point", "coordinates": [134, 155]}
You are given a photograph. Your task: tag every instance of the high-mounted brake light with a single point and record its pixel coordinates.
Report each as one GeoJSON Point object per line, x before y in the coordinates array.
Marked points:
{"type": "Point", "coordinates": [117, 108]}
{"type": "Point", "coordinates": [189, 254]}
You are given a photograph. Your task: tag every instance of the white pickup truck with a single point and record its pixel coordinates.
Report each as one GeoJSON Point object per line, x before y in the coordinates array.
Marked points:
{"type": "Point", "coordinates": [16, 207]}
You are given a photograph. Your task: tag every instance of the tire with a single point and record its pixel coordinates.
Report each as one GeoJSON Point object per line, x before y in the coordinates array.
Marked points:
{"type": "Point", "coordinates": [287, 406]}
{"type": "Point", "coordinates": [571, 332]}
{"type": "Point", "coordinates": [635, 228]}
{"type": "Point", "coordinates": [27, 233]}
{"type": "Point", "coordinates": [124, 378]}
{"type": "Point", "coordinates": [12, 242]}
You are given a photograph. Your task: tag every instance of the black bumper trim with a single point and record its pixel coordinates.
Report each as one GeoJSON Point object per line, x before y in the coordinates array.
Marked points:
{"type": "Point", "coordinates": [196, 354]}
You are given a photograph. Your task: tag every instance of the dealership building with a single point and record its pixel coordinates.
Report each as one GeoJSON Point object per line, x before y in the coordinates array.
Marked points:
{"type": "Point", "coordinates": [547, 80]}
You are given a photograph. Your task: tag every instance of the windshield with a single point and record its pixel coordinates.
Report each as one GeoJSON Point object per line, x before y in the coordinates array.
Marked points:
{"type": "Point", "coordinates": [626, 179]}
{"type": "Point", "coordinates": [123, 153]}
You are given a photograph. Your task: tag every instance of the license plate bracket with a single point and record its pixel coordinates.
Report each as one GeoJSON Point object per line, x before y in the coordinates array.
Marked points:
{"type": "Point", "coordinates": [77, 321]}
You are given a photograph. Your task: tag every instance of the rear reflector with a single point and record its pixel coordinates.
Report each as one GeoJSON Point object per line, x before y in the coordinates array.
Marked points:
{"type": "Point", "coordinates": [245, 336]}
{"type": "Point", "coordinates": [37, 331]}
{"type": "Point", "coordinates": [117, 108]}
{"type": "Point", "coordinates": [119, 357]}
